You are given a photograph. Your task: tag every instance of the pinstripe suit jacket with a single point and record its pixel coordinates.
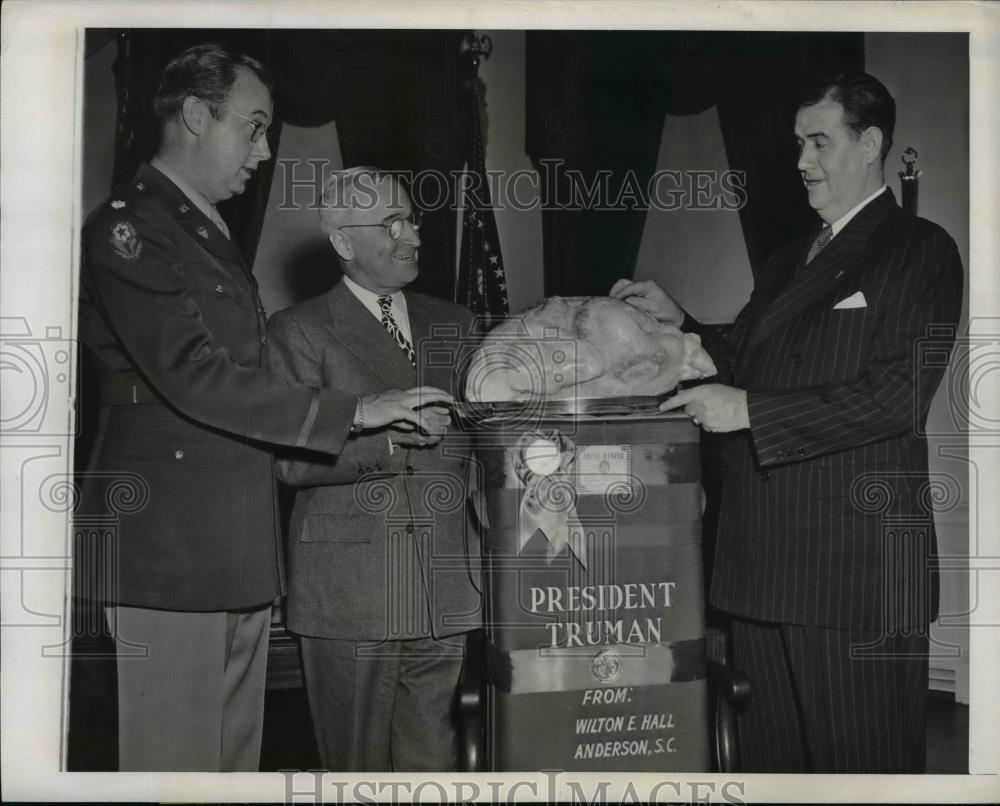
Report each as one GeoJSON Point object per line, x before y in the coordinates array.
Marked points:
{"type": "Point", "coordinates": [825, 516]}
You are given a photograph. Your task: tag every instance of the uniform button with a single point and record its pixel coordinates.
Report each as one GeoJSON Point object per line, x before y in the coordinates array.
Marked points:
{"type": "Point", "coordinates": [797, 358]}
{"type": "Point", "coordinates": [219, 289]}
{"type": "Point", "coordinates": [178, 454]}
{"type": "Point", "coordinates": [764, 475]}
{"type": "Point", "coordinates": [801, 451]}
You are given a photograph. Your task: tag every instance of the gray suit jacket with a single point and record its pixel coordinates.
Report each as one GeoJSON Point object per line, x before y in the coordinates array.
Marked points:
{"type": "Point", "coordinates": [380, 546]}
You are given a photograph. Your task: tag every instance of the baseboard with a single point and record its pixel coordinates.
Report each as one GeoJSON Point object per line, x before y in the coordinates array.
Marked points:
{"type": "Point", "coordinates": [952, 679]}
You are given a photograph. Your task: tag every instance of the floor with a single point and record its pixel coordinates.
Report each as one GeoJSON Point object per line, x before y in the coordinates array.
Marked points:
{"type": "Point", "coordinates": [947, 735]}
{"type": "Point", "coordinates": [289, 744]}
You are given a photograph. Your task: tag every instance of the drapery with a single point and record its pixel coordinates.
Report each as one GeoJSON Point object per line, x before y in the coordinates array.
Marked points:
{"type": "Point", "coordinates": [596, 102]}
{"type": "Point", "coordinates": [395, 97]}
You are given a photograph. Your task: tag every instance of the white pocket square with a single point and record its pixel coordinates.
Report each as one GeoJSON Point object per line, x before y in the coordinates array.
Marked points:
{"type": "Point", "coordinates": [856, 300]}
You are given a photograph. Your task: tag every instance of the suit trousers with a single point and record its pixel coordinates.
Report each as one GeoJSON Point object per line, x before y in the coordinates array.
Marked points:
{"type": "Point", "coordinates": [384, 706]}
{"type": "Point", "coordinates": [831, 701]}
{"type": "Point", "coordinates": [190, 688]}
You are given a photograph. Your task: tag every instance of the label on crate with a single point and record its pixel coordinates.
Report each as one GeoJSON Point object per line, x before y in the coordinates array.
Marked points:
{"type": "Point", "coordinates": [603, 467]}
{"type": "Point", "coordinates": [607, 728]}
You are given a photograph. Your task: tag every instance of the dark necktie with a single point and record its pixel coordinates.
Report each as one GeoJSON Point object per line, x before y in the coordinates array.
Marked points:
{"type": "Point", "coordinates": [384, 304]}
{"type": "Point", "coordinates": [824, 237]}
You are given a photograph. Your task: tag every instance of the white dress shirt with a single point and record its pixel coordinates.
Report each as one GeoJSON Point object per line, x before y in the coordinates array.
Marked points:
{"type": "Point", "coordinates": [370, 300]}
{"type": "Point", "coordinates": [842, 222]}
{"type": "Point", "coordinates": [398, 312]}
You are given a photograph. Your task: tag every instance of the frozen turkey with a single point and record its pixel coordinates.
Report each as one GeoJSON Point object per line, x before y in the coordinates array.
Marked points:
{"type": "Point", "coordinates": [583, 347]}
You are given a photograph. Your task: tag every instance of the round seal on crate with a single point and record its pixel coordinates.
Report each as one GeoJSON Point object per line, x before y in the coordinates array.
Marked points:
{"type": "Point", "coordinates": [543, 457]}
{"type": "Point", "coordinates": [606, 666]}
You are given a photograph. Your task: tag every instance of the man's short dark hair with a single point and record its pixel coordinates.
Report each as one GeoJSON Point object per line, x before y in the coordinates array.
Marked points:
{"type": "Point", "coordinates": [206, 71]}
{"type": "Point", "coordinates": [865, 99]}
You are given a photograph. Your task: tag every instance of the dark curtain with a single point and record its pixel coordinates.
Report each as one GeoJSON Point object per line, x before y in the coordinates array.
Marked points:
{"type": "Point", "coordinates": [596, 101]}
{"type": "Point", "coordinates": [393, 94]}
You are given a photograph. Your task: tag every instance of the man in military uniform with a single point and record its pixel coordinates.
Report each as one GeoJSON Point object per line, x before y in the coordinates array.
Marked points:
{"type": "Point", "coordinates": [383, 563]}
{"type": "Point", "coordinates": [189, 413]}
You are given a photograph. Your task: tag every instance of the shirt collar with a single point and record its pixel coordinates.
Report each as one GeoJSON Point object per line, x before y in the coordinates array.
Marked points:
{"type": "Point", "coordinates": [842, 222]}
{"type": "Point", "coordinates": [197, 199]}
{"type": "Point", "coordinates": [370, 298]}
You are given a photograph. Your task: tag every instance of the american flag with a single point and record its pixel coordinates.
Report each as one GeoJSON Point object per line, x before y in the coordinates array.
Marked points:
{"type": "Point", "coordinates": [482, 281]}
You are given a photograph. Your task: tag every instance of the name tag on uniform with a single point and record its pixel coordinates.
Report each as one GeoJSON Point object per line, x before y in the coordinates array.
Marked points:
{"type": "Point", "coordinates": [856, 300]}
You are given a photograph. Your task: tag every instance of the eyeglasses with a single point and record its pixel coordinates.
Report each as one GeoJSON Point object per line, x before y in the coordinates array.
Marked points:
{"type": "Point", "coordinates": [259, 127]}
{"type": "Point", "coordinates": [394, 227]}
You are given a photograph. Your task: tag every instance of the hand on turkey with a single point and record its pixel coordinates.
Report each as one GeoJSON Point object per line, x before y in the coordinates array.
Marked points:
{"type": "Point", "coordinates": [647, 296]}
{"type": "Point", "coordinates": [584, 347]}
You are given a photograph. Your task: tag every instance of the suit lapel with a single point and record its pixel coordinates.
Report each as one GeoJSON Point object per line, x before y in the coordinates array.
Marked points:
{"type": "Point", "coordinates": [199, 226]}
{"type": "Point", "coordinates": [361, 334]}
{"type": "Point", "coordinates": [841, 260]}
{"type": "Point", "coordinates": [419, 325]}
{"type": "Point", "coordinates": [433, 373]}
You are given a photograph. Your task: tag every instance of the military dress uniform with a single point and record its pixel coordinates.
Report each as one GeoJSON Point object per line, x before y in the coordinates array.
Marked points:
{"type": "Point", "coordinates": [172, 315]}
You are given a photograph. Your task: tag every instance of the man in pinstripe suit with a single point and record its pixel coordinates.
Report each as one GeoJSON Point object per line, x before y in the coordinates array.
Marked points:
{"type": "Point", "coordinates": [823, 408]}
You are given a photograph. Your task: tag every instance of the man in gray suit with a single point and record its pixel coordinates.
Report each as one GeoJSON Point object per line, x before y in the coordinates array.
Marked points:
{"type": "Point", "coordinates": [383, 564]}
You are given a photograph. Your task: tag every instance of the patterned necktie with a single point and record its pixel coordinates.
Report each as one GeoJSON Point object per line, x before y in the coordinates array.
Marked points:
{"type": "Point", "coordinates": [385, 303]}
{"type": "Point", "coordinates": [824, 237]}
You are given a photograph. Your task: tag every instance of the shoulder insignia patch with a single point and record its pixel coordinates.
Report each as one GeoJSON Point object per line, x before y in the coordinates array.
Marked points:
{"type": "Point", "coordinates": [118, 204]}
{"type": "Point", "coordinates": [125, 241]}
{"type": "Point", "coordinates": [203, 232]}
{"type": "Point", "coordinates": [183, 208]}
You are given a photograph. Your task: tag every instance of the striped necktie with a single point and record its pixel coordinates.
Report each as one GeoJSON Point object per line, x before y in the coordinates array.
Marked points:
{"type": "Point", "coordinates": [384, 304]}
{"type": "Point", "coordinates": [824, 237]}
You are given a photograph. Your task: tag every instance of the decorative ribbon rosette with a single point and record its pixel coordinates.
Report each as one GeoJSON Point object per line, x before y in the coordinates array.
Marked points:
{"type": "Point", "coordinates": [544, 463]}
